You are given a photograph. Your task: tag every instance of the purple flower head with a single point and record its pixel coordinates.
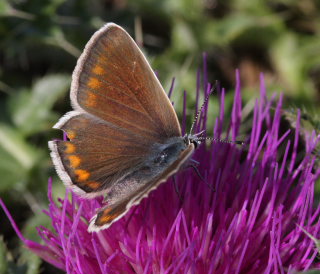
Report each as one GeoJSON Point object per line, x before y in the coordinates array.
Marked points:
{"type": "Point", "coordinates": [251, 214]}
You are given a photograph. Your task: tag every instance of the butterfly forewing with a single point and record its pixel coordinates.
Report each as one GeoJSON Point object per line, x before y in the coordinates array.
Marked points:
{"type": "Point", "coordinates": [114, 82]}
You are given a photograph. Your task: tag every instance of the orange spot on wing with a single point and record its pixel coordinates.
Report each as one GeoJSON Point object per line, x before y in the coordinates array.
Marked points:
{"type": "Point", "coordinates": [91, 99]}
{"type": "Point", "coordinates": [98, 70]}
{"type": "Point", "coordinates": [70, 148]}
{"type": "Point", "coordinates": [82, 174]}
{"type": "Point", "coordinates": [105, 217]}
{"type": "Point", "coordinates": [94, 185]}
{"type": "Point", "coordinates": [74, 161]}
{"type": "Point", "coordinates": [71, 134]}
{"type": "Point", "coordinates": [108, 218]}
{"type": "Point", "coordinates": [94, 83]}
{"type": "Point", "coordinates": [107, 211]}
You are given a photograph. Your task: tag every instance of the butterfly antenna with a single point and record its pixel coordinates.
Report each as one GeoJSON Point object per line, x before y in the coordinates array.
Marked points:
{"type": "Point", "coordinates": [220, 140]}
{"type": "Point", "coordinates": [200, 110]}
{"type": "Point", "coordinates": [201, 132]}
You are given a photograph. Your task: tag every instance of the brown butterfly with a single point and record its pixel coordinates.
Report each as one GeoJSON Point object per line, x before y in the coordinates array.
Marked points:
{"type": "Point", "coordinates": [124, 138]}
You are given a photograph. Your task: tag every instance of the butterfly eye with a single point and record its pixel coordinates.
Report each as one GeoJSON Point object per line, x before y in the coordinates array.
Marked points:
{"type": "Point", "coordinates": [196, 142]}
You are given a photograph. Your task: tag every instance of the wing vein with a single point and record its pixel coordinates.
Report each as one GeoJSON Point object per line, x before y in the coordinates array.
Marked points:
{"type": "Point", "coordinates": [145, 114]}
{"type": "Point", "coordinates": [125, 122]}
{"type": "Point", "coordinates": [119, 60]}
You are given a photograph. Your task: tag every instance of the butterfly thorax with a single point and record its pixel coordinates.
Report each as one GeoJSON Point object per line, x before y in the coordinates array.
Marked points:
{"type": "Point", "coordinates": [163, 155]}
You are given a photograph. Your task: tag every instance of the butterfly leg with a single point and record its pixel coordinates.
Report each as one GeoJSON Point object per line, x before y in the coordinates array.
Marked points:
{"type": "Point", "coordinates": [176, 188]}
{"type": "Point", "coordinates": [200, 176]}
{"type": "Point", "coordinates": [194, 161]}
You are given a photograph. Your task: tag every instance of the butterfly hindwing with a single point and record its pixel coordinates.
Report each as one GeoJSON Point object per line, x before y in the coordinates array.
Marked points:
{"type": "Point", "coordinates": [135, 189]}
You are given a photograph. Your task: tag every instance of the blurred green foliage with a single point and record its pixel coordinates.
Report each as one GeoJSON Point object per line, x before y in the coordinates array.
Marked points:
{"type": "Point", "coordinates": [41, 40]}
{"type": "Point", "coordinates": [28, 263]}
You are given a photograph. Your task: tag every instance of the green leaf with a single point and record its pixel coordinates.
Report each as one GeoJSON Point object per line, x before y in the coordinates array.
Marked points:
{"type": "Point", "coordinates": [31, 110]}
{"type": "Point", "coordinates": [183, 37]}
{"type": "Point", "coordinates": [256, 7]}
{"type": "Point", "coordinates": [16, 157]}
{"type": "Point", "coordinates": [3, 257]}
{"type": "Point", "coordinates": [29, 230]}
{"type": "Point", "coordinates": [247, 27]}
{"type": "Point", "coordinates": [5, 8]}
{"type": "Point", "coordinates": [290, 63]}
{"type": "Point", "coordinates": [30, 260]}
{"type": "Point", "coordinates": [314, 271]}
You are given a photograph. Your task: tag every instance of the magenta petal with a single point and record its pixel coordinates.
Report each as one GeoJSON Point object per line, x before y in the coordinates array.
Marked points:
{"type": "Point", "coordinates": [246, 218]}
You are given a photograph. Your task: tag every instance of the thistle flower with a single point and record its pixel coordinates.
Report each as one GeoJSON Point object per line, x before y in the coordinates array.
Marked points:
{"type": "Point", "coordinates": [249, 216]}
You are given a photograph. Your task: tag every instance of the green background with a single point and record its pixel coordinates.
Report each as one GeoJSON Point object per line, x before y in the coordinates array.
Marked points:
{"type": "Point", "coordinates": [40, 42]}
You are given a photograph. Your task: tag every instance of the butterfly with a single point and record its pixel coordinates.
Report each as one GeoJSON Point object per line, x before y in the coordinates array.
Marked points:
{"type": "Point", "coordinates": [124, 137]}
